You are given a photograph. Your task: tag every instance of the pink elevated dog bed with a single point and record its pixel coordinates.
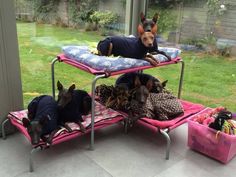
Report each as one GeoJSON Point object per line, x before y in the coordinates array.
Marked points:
{"type": "Point", "coordinates": [163, 126]}
{"type": "Point", "coordinates": [100, 116]}
{"type": "Point", "coordinates": [103, 118]}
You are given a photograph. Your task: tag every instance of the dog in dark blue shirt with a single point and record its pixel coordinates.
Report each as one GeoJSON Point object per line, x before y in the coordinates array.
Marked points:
{"type": "Point", "coordinates": [42, 119]}
{"type": "Point", "coordinates": [72, 104]}
{"type": "Point", "coordinates": [154, 85]}
{"type": "Point", "coordinates": [141, 47]}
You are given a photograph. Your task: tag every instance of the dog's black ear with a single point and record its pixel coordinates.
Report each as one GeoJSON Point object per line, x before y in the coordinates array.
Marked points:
{"type": "Point", "coordinates": [164, 83]}
{"type": "Point", "coordinates": [137, 82]}
{"type": "Point", "coordinates": [155, 17]}
{"type": "Point", "coordinates": [25, 122]}
{"type": "Point", "coordinates": [59, 86]}
{"type": "Point", "coordinates": [72, 88]}
{"type": "Point", "coordinates": [142, 16]}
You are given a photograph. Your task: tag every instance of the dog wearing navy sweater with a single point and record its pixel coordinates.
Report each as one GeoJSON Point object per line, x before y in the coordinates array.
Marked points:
{"type": "Point", "coordinates": [72, 104]}
{"type": "Point", "coordinates": [154, 85]}
{"type": "Point", "coordinates": [141, 47]}
{"type": "Point", "coordinates": [42, 119]}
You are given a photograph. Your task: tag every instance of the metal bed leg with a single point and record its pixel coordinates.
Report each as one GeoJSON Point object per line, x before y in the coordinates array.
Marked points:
{"type": "Point", "coordinates": [181, 79]}
{"type": "Point", "coordinates": [53, 76]}
{"type": "Point", "coordinates": [3, 129]}
{"type": "Point", "coordinates": [31, 163]}
{"type": "Point", "coordinates": [165, 133]}
{"type": "Point", "coordinates": [93, 109]}
{"type": "Point", "coordinates": [126, 125]}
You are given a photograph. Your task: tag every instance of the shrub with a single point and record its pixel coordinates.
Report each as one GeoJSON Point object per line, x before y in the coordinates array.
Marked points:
{"type": "Point", "coordinates": [80, 11]}
{"type": "Point", "coordinates": [104, 18]}
{"type": "Point", "coordinates": [167, 20]}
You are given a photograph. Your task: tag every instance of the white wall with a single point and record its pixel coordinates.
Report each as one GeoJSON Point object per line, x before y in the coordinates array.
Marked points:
{"type": "Point", "coordinates": [10, 80]}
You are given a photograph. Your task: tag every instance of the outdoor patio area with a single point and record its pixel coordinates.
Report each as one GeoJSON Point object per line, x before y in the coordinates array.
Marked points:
{"type": "Point", "coordinates": [141, 153]}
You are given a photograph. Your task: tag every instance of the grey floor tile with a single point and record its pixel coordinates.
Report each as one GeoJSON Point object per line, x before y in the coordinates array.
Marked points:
{"type": "Point", "coordinates": [140, 153]}
{"type": "Point", "coordinates": [196, 164]}
{"type": "Point", "coordinates": [67, 160]}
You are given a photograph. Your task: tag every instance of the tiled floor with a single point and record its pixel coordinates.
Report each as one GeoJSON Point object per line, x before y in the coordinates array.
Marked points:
{"type": "Point", "coordinates": [141, 153]}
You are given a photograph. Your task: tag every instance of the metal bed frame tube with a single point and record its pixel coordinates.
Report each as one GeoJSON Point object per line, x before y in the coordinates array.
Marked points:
{"type": "Point", "coordinates": [168, 141]}
{"type": "Point", "coordinates": [93, 109]}
{"type": "Point", "coordinates": [53, 76]}
{"type": "Point", "coordinates": [3, 129]}
{"type": "Point", "coordinates": [181, 78]}
{"type": "Point", "coordinates": [164, 132]}
{"type": "Point", "coordinates": [93, 97]}
{"type": "Point", "coordinates": [31, 163]}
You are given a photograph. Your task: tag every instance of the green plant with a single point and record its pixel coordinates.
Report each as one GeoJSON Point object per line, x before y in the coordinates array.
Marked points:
{"type": "Point", "coordinates": [167, 20]}
{"type": "Point", "coordinates": [44, 9]}
{"type": "Point", "coordinates": [104, 18]}
{"type": "Point", "coordinates": [80, 11]}
{"type": "Point", "coordinates": [217, 7]}
{"type": "Point", "coordinates": [209, 40]}
{"type": "Point", "coordinates": [165, 3]}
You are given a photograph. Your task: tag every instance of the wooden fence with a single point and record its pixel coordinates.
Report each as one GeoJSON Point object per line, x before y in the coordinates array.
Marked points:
{"type": "Point", "coordinates": [198, 23]}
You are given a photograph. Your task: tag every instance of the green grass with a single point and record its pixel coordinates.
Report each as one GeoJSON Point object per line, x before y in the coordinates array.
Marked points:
{"type": "Point", "coordinates": [209, 80]}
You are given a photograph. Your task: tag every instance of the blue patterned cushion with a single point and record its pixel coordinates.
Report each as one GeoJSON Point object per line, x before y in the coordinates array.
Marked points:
{"type": "Point", "coordinates": [83, 55]}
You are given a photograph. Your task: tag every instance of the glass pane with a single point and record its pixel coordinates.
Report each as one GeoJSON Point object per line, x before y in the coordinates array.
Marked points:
{"type": "Point", "coordinates": [44, 26]}
{"type": "Point", "coordinates": [168, 22]}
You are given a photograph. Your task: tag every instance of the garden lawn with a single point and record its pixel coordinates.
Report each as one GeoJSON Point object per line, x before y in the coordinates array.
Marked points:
{"type": "Point", "coordinates": [209, 80]}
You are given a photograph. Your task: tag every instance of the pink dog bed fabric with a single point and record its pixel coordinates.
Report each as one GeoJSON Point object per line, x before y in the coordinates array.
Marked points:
{"type": "Point", "coordinates": [189, 110]}
{"type": "Point", "coordinates": [89, 69]}
{"type": "Point", "coordinates": [103, 118]}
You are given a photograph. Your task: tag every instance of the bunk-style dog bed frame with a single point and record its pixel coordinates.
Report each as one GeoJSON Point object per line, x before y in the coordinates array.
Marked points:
{"type": "Point", "coordinates": [103, 67]}
{"type": "Point", "coordinates": [102, 118]}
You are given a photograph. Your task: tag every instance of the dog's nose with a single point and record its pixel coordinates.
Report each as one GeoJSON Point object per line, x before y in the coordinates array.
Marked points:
{"type": "Point", "coordinates": [148, 29]}
{"type": "Point", "coordinates": [150, 45]}
{"type": "Point", "coordinates": [142, 100]}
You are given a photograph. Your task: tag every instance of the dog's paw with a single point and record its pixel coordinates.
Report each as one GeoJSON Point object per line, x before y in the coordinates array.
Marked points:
{"type": "Point", "coordinates": [168, 57]}
{"type": "Point", "coordinates": [69, 129]}
{"type": "Point", "coordinates": [82, 129]}
{"type": "Point", "coordinates": [153, 62]}
{"type": "Point", "coordinates": [48, 143]}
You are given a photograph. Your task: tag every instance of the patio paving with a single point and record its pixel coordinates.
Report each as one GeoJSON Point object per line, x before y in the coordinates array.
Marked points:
{"type": "Point", "coordinates": [141, 153]}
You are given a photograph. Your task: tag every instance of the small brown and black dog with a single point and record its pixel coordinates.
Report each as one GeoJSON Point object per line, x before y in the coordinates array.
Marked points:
{"type": "Point", "coordinates": [72, 104]}
{"type": "Point", "coordinates": [119, 98]}
{"type": "Point", "coordinates": [137, 105]}
{"type": "Point", "coordinates": [141, 47]}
